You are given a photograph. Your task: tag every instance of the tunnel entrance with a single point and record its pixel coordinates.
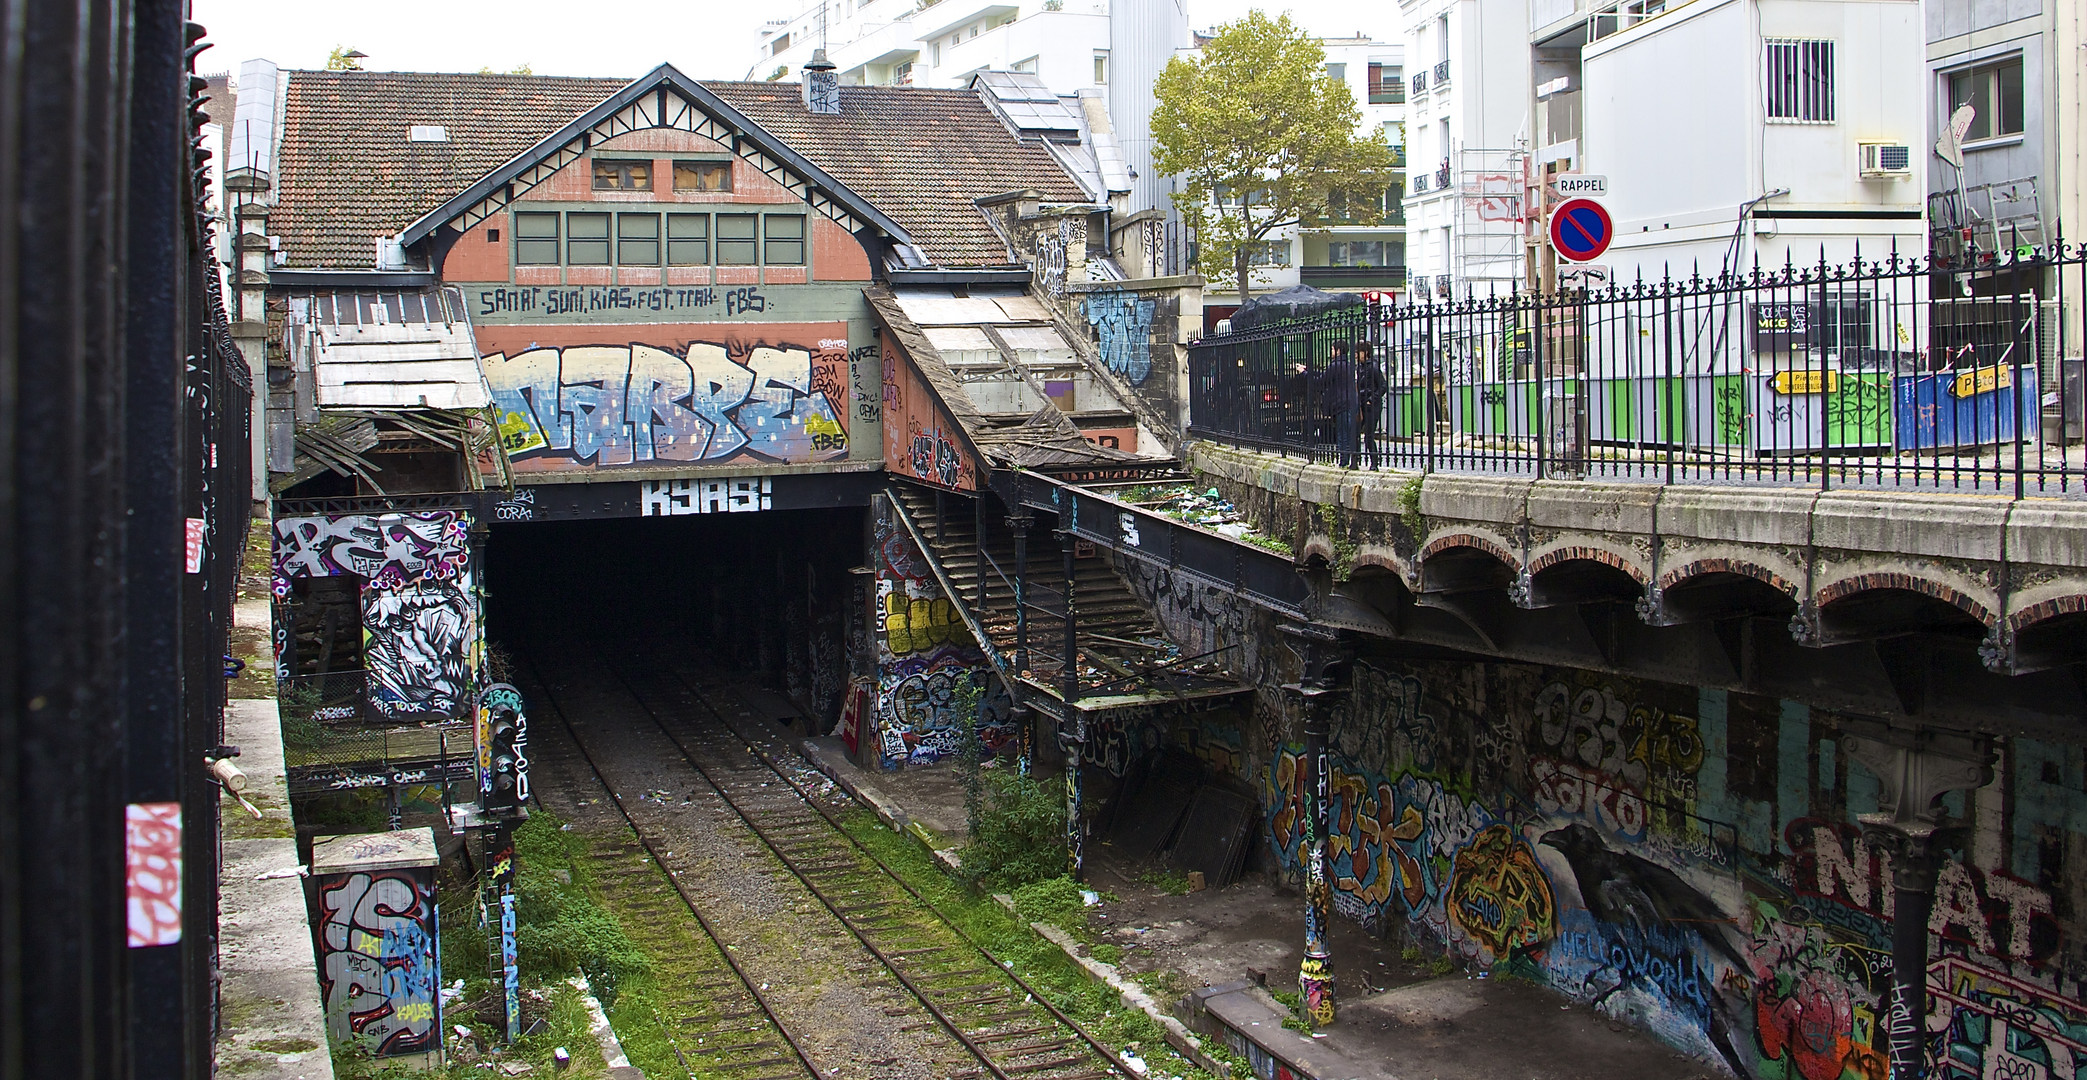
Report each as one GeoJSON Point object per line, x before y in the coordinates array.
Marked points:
{"type": "Point", "coordinates": [770, 596]}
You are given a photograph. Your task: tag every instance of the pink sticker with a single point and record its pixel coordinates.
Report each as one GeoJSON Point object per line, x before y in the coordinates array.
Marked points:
{"type": "Point", "coordinates": [195, 545]}
{"type": "Point", "coordinates": [152, 872]}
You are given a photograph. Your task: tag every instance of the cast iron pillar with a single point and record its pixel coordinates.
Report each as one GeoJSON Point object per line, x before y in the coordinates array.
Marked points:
{"type": "Point", "coordinates": [1914, 770]}
{"type": "Point", "coordinates": [1024, 719]}
{"type": "Point", "coordinates": [1323, 657]}
{"type": "Point", "coordinates": [1074, 738]}
{"type": "Point", "coordinates": [1019, 525]}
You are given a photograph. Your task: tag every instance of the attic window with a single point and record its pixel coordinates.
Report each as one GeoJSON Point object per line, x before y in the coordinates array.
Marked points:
{"type": "Point", "coordinates": [702, 176]}
{"type": "Point", "coordinates": [622, 175]}
{"type": "Point", "coordinates": [426, 133]}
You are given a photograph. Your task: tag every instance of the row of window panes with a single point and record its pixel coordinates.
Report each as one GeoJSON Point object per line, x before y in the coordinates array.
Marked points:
{"type": "Point", "coordinates": [635, 174]}
{"type": "Point", "coordinates": [739, 239]}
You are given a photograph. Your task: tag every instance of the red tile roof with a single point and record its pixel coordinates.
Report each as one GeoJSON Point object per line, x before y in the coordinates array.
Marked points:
{"type": "Point", "coordinates": [346, 174]}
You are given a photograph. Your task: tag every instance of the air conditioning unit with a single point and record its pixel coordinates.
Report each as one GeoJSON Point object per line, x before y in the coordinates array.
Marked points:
{"type": "Point", "coordinates": [1887, 161]}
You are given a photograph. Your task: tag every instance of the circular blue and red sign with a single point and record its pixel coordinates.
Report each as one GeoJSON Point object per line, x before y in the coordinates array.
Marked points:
{"type": "Point", "coordinates": [1581, 229]}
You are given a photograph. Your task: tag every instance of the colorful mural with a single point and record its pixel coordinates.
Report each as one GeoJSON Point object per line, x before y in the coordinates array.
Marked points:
{"type": "Point", "coordinates": [1690, 861]}
{"type": "Point", "coordinates": [927, 662]}
{"type": "Point", "coordinates": [419, 609]}
{"type": "Point", "coordinates": [710, 403]}
{"type": "Point", "coordinates": [921, 439]}
{"type": "Point", "coordinates": [378, 972]}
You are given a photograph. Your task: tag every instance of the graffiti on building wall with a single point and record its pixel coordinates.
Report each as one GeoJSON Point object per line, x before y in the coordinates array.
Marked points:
{"type": "Point", "coordinates": [919, 439]}
{"type": "Point", "coordinates": [932, 680]}
{"type": "Point", "coordinates": [387, 549]}
{"type": "Point", "coordinates": [419, 608]}
{"type": "Point", "coordinates": [152, 873]}
{"type": "Point", "coordinates": [1692, 862]}
{"type": "Point", "coordinates": [377, 965]}
{"type": "Point", "coordinates": [610, 405]}
{"type": "Point", "coordinates": [1122, 323]}
{"type": "Point", "coordinates": [417, 647]}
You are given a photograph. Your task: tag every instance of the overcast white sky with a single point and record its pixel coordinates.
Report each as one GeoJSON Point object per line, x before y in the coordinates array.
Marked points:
{"type": "Point", "coordinates": [708, 39]}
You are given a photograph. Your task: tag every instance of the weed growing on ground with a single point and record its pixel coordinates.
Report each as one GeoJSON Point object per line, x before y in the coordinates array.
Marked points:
{"type": "Point", "coordinates": [1008, 937]}
{"type": "Point", "coordinates": [559, 926]}
{"type": "Point", "coordinates": [1171, 882]}
{"type": "Point", "coordinates": [1020, 835]}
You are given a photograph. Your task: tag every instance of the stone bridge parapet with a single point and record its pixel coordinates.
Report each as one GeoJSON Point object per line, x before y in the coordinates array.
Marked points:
{"type": "Point", "coordinates": [1842, 566]}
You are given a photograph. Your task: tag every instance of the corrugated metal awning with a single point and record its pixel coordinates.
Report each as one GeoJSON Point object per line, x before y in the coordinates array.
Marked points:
{"type": "Point", "coordinates": [387, 349]}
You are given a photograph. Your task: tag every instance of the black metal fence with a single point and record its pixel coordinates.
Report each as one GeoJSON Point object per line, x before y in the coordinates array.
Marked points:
{"type": "Point", "coordinates": [1892, 373]}
{"type": "Point", "coordinates": [123, 474]}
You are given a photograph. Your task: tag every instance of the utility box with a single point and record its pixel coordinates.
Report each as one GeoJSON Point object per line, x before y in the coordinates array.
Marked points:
{"type": "Point", "coordinates": [374, 927]}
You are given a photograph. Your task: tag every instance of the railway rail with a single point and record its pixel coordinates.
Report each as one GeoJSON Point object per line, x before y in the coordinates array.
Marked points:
{"type": "Point", "coordinates": [979, 1018]}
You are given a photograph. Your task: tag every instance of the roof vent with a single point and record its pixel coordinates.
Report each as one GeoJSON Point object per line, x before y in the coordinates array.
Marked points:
{"type": "Point", "coordinates": [427, 133]}
{"type": "Point", "coordinates": [822, 85]}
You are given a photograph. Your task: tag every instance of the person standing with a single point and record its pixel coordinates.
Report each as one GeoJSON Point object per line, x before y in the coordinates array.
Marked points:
{"type": "Point", "coordinates": [1335, 387]}
{"type": "Point", "coordinates": [1370, 390]}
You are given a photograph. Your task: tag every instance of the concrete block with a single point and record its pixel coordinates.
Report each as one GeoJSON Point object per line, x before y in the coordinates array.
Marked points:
{"type": "Point", "coordinates": [1476, 498]}
{"type": "Point", "coordinates": [2048, 532]}
{"type": "Point", "coordinates": [1774, 517]}
{"type": "Point", "coordinates": [1935, 526]}
{"type": "Point", "coordinates": [1381, 492]}
{"type": "Point", "coordinates": [1592, 507]}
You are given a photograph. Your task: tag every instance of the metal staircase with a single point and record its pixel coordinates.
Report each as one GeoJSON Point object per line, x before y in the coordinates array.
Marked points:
{"type": "Point", "coordinates": [1033, 599]}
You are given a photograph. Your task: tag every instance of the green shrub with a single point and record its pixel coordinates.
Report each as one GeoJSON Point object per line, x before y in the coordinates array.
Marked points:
{"type": "Point", "coordinates": [1020, 835]}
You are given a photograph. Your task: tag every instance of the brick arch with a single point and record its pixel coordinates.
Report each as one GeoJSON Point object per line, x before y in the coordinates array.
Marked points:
{"type": "Point", "coordinates": [1467, 540]}
{"type": "Point", "coordinates": [1383, 562]}
{"type": "Point", "coordinates": [2047, 610]}
{"type": "Point", "coordinates": [1849, 586]}
{"type": "Point", "coordinates": [1739, 567]}
{"type": "Point", "coordinates": [1604, 556]}
{"type": "Point", "coordinates": [1316, 546]}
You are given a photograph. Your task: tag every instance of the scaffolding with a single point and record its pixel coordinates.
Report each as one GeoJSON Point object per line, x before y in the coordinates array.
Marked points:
{"type": "Point", "coordinates": [1486, 249]}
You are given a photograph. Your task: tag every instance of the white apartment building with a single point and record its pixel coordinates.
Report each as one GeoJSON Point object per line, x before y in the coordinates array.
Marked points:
{"type": "Point", "coordinates": [1467, 132]}
{"type": "Point", "coordinates": [1108, 51]}
{"type": "Point", "coordinates": [1736, 132]}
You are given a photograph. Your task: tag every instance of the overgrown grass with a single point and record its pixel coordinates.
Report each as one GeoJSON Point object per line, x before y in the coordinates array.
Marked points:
{"type": "Point", "coordinates": [1171, 882]}
{"type": "Point", "coordinates": [560, 927]}
{"type": "Point", "coordinates": [1043, 964]}
{"type": "Point", "coordinates": [566, 1024]}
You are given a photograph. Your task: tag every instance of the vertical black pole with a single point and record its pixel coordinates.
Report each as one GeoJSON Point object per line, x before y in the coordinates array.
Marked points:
{"type": "Point", "coordinates": [1913, 882]}
{"type": "Point", "coordinates": [1019, 524]}
{"type": "Point", "coordinates": [1075, 722]}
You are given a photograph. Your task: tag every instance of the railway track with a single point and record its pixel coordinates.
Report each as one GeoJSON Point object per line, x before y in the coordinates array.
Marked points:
{"type": "Point", "coordinates": [643, 723]}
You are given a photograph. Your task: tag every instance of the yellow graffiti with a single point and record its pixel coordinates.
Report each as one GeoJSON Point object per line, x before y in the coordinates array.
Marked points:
{"type": "Point", "coordinates": [1499, 895]}
{"type": "Point", "coordinates": [913, 624]}
{"type": "Point", "coordinates": [823, 425]}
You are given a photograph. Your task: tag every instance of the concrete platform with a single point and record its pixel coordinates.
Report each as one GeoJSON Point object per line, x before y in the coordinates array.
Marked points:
{"type": "Point", "coordinates": [1220, 950]}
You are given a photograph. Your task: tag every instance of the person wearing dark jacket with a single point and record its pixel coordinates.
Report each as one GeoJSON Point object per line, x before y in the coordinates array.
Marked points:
{"type": "Point", "coordinates": [1336, 391]}
{"type": "Point", "coordinates": [1370, 391]}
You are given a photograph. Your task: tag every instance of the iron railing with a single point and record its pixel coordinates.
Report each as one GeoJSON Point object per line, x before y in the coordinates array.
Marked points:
{"type": "Point", "coordinates": [1893, 374]}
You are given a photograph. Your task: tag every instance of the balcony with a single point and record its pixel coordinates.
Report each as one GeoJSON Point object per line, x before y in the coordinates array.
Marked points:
{"type": "Point", "coordinates": [1420, 83]}
{"type": "Point", "coordinates": [1387, 93]}
{"type": "Point", "coordinates": [1442, 73]}
{"type": "Point", "coordinates": [1442, 175]}
{"type": "Point", "coordinates": [1353, 277]}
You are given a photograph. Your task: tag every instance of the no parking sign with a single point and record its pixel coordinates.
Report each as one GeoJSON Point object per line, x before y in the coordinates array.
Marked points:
{"type": "Point", "coordinates": [1581, 229]}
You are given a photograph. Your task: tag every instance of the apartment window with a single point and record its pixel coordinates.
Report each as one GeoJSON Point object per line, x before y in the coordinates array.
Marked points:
{"type": "Point", "coordinates": [1442, 37]}
{"type": "Point", "coordinates": [587, 239]}
{"type": "Point", "coordinates": [776, 47]}
{"type": "Point", "coordinates": [688, 239]}
{"type": "Point", "coordinates": [1337, 72]}
{"type": "Point", "coordinates": [1387, 84]}
{"type": "Point", "coordinates": [1028, 65]}
{"type": "Point", "coordinates": [622, 175]}
{"type": "Point", "coordinates": [637, 239]}
{"type": "Point", "coordinates": [1366, 253]}
{"type": "Point", "coordinates": [1994, 92]}
{"type": "Point", "coordinates": [702, 176]}
{"type": "Point", "coordinates": [736, 245]}
{"type": "Point", "coordinates": [1101, 67]}
{"type": "Point", "coordinates": [536, 239]}
{"type": "Point", "coordinates": [1800, 82]}
{"type": "Point", "coordinates": [1269, 253]}
{"type": "Point", "coordinates": [784, 234]}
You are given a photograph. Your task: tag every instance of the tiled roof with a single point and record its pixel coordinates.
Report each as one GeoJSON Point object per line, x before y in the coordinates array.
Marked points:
{"type": "Point", "coordinates": [920, 155]}
{"type": "Point", "coordinates": [346, 174]}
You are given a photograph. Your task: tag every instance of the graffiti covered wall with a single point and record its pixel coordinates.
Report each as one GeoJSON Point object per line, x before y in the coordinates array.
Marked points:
{"type": "Point", "coordinates": [1136, 334]}
{"type": "Point", "coordinates": [731, 398]}
{"type": "Point", "coordinates": [420, 618]}
{"type": "Point", "coordinates": [927, 661]}
{"type": "Point", "coordinates": [921, 439]}
{"type": "Point", "coordinates": [1689, 861]}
